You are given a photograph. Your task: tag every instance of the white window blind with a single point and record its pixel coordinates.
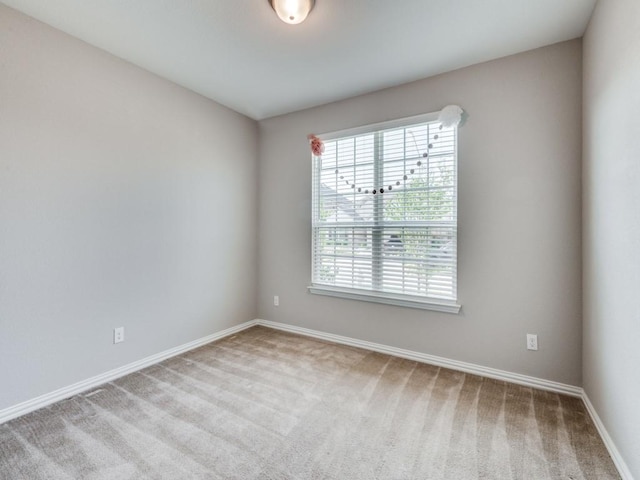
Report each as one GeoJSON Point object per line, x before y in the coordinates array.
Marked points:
{"type": "Point", "coordinates": [385, 212]}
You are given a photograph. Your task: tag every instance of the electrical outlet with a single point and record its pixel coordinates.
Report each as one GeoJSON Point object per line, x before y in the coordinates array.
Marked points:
{"type": "Point", "coordinates": [118, 335]}
{"type": "Point", "coordinates": [532, 341]}
{"type": "Point", "coordinates": [276, 300]}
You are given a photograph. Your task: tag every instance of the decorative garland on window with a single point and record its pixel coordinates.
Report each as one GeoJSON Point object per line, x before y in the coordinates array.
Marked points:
{"type": "Point", "coordinates": [449, 116]}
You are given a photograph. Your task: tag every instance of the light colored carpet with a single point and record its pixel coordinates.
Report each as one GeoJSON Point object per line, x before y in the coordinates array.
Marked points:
{"type": "Point", "coordinates": [270, 405]}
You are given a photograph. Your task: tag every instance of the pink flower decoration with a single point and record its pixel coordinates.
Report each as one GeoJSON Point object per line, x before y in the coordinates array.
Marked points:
{"type": "Point", "coordinates": [317, 147]}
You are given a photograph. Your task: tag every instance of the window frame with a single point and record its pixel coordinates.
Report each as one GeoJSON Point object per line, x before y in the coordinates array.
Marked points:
{"type": "Point", "coordinates": [397, 299]}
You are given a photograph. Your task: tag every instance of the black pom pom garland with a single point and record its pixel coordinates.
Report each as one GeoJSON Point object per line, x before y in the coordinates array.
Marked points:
{"type": "Point", "coordinates": [389, 188]}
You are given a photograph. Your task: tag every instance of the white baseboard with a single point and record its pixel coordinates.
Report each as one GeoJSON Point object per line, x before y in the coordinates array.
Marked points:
{"type": "Point", "coordinates": [66, 392]}
{"type": "Point", "coordinates": [433, 360]}
{"type": "Point", "coordinates": [517, 378]}
{"type": "Point", "coordinates": [621, 465]}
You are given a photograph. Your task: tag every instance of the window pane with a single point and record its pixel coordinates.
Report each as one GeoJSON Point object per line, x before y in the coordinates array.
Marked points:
{"type": "Point", "coordinates": [402, 239]}
{"type": "Point", "coordinates": [417, 261]}
{"type": "Point", "coordinates": [343, 257]}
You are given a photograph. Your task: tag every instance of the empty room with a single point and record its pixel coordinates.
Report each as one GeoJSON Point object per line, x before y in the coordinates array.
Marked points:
{"type": "Point", "coordinates": [319, 239]}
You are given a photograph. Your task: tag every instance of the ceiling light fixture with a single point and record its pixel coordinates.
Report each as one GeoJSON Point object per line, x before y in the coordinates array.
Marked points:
{"type": "Point", "coordinates": [292, 11]}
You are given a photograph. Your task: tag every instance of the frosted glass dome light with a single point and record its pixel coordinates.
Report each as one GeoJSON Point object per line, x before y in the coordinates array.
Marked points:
{"type": "Point", "coordinates": [292, 11]}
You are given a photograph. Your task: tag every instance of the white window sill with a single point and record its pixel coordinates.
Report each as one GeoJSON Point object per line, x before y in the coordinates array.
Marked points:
{"type": "Point", "coordinates": [387, 298]}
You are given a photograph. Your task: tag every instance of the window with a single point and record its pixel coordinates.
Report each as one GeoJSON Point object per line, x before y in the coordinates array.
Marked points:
{"type": "Point", "coordinates": [385, 214]}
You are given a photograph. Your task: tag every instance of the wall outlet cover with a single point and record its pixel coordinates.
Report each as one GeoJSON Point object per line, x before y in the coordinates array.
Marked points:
{"type": "Point", "coordinates": [118, 335]}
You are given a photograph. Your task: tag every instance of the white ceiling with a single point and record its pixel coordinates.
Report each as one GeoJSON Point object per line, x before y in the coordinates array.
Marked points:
{"type": "Point", "coordinates": [240, 54]}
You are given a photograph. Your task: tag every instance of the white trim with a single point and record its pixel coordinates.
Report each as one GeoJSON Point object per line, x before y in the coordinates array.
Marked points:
{"type": "Point", "coordinates": [84, 385]}
{"type": "Point", "coordinates": [396, 123]}
{"type": "Point", "coordinates": [66, 392]}
{"type": "Point", "coordinates": [511, 377]}
{"type": "Point", "coordinates": [619, 462]}
{"type": "Point", "coordinates": [386, 298]}
{"type": "Point", "coordinates": [517, 378]}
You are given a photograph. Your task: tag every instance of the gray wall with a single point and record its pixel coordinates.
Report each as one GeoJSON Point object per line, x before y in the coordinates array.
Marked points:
{"type": "Point", "coordinates": [519, 216]}
{"type": "Point", "coordinates": [612, 221]}
{"type": "Point", "coordinates": [125, 200]}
